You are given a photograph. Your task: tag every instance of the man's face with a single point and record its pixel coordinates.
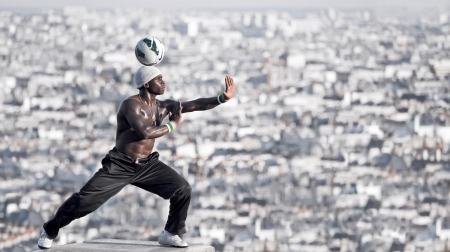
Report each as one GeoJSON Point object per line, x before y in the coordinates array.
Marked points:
{"type": "Point", "coordinates": [156, 85]}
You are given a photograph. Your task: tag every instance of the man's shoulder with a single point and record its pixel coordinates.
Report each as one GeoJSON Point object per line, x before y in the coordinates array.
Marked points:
{"type": "Point", "coordinates": [129, 102]}
{"type": "Point", "coordinates": [131, 99]}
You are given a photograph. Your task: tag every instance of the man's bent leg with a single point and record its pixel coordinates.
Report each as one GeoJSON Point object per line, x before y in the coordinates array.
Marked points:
{"type": "Point", "coordinates": [162, 180]}
{"type": "Point", "coordinates": [179, 205]}
{"type": "Point", "coordinates": [92, 195]}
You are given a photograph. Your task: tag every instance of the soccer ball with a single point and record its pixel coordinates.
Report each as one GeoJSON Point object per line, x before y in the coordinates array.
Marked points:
{"type": "Point", "coordinates": [149, 51]}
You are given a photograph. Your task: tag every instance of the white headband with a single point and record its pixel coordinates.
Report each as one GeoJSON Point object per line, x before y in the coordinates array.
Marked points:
{"type": "Point", "coordinates": [145, 74]}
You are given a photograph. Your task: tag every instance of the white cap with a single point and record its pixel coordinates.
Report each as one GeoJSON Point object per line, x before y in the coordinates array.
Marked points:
{"type": "Point", "coordinates": [145, 74]}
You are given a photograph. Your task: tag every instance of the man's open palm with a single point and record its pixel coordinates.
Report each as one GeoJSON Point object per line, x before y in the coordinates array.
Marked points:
{"type": "Point", "coordinates": [229, 87]}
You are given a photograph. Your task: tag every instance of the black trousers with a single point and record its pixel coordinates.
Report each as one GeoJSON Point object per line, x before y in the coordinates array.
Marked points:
{"type": "Point", "coordinates": [118, 171]}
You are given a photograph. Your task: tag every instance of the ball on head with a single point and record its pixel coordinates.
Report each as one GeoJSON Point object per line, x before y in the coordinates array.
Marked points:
{"type": "Point", "coordinates": [149, 51]}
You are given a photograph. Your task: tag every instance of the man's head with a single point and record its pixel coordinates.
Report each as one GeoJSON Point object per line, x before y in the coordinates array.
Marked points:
{"type": "Point", "coordinates": [150, 78]}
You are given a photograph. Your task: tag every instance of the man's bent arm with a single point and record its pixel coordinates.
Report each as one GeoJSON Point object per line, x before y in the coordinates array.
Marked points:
{"type": "Point", "coordinates": [152, 132]}
{"type": "Point", "coordinates": [132, 111]}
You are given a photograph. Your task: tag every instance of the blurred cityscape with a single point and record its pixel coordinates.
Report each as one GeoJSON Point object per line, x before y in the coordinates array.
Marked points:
{"type": "Point", "coordinates": [337, 140]}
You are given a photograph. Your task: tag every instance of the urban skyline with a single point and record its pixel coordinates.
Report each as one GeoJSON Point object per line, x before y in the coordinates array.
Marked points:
{"type": "Point", "coordinates": [234, 5]}
{"type": "Point", "coordinates": [338, 138]}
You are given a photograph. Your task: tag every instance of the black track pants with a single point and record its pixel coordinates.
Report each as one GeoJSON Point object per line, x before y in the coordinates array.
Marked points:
{"type": "Point", "coordinates": [118, 171]}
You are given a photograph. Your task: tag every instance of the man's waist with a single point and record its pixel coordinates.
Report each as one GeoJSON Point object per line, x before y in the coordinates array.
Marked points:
{"type": "Point", "coordinates": [118, 155]}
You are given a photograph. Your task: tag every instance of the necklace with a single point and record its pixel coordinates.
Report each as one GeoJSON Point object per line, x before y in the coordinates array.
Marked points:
{"type": "Point", "coordinates": [153, 114]}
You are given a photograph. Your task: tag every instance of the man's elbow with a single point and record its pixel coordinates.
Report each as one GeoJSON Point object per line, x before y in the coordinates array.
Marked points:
{"type": "Point", "coordinates": [146, 136]}
{"type": "Point", "coordinates": [149, 135]}
{"type": "Point", "coordinates": [143, 135]}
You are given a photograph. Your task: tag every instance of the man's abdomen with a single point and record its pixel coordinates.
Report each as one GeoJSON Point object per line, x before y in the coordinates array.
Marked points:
{"type": "Point", "coordinates": [129, 143]}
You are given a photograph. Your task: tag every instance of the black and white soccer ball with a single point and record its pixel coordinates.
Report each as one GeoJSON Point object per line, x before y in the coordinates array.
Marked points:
{"type": "Point", "coordinates": [149, 51]}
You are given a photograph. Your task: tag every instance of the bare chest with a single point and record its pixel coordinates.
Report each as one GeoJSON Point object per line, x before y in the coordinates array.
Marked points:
{"type": "Point", "coordinates": [153, 115]}
{"type": "Point", "coordinates": [149, 114]}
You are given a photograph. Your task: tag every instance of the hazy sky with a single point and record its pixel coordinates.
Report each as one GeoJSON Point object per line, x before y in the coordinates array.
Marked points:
{"type": "Point", "coordinates": [228, 4]}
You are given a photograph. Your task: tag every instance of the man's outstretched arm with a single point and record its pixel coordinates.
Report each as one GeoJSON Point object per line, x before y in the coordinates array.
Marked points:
{"type": "Point", "coordinates": [209, 103]}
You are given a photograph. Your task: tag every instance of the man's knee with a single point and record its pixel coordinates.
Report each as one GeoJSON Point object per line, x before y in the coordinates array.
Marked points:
{"type": "Point", "coordinates": [187, 189]}
{"type": "Point", "coordinates": [183, 184]}
{"type": "Point", "coordinates": [184, 190]}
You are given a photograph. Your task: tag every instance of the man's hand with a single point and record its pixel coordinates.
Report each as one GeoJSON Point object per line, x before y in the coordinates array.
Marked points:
{"type": "Point", "coordinates": [229, 88]}
{"type": "Point", "coordinates": [175, 114]}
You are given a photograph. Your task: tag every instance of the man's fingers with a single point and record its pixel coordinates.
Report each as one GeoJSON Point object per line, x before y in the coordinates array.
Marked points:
{"type": "Point", "coordinates": [227, 83]}
{"type": "Point", "coordinates": [180, 107]}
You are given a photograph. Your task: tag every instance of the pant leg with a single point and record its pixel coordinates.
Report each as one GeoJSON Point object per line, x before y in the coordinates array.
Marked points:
{"type": "Point", "coordinates": [105, 183]}
{"type": "Point", "coordinates": [162, 180]}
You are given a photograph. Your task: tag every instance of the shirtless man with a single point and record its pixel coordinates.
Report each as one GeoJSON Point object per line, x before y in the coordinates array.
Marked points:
{"type": "Point", "coordinates": [132, 161]}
